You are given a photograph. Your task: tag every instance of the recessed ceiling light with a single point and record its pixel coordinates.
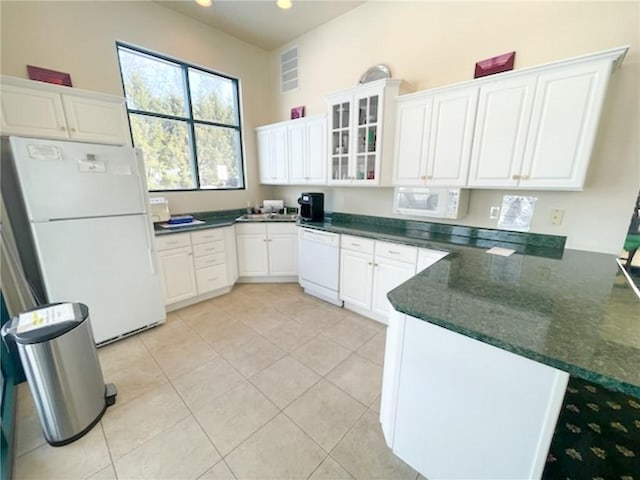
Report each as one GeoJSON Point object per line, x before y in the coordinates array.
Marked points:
{"type": "Point", "coordinates": [284, 4]}
{"type": "Point", "coordinates": [204, 3]}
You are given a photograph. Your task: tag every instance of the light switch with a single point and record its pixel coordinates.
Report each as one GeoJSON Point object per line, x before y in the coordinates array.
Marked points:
{"type": "Point", "coordinates": [494, 213]}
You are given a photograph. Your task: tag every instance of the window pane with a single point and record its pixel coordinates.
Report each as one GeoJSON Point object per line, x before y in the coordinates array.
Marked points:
{"type": "Point", "coordinates": [213, 98]}
{"type": "Point", "coordinates": [152, 84]}
{"type": "Point", "coordinates": [219, 159]}
{"type": "Point", "coordinates": [165, 145]}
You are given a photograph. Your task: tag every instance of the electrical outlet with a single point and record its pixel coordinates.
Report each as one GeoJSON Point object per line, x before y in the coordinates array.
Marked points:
{"type": "Point", "coordinates": [494, 213]}
{"type": "Point", "coordinates": [557, 214]}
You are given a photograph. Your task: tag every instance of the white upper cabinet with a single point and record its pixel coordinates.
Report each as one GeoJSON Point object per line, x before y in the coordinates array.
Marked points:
{"type": "Point", "coordinates": [533, 128]}
{"type": "Point", "coordinates": [434, 132]}
{"type": "Point", "coordinates": [273, 154]}
{"type": "Point", "coordinates": [38, 109]}
{"type": "Point", "coordinates": [293, 152]}
{"type": "Point", "coordinates": [564, 121]}
{"type": "Point", "coordinates": [361, 132]}
{"type": "Point", "coordinates": [502, 125]}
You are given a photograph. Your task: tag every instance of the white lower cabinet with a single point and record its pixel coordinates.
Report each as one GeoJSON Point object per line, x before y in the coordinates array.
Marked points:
{"type": "Point", "coordinates": [196, 265]}
{"type": "Point", "coordinates": [455, 407]}
{"type": "Point", "coordinates": [369, 269]}
{"type": "Point", "coordinates": [176, 265]}
{"type": "Point", "coordinates": [267, 251]}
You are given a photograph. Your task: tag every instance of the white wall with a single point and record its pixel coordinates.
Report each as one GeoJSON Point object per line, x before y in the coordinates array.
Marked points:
{"type": "Point", "coordinates": [79, 38]}
{"type": "Point", "coordinates": [431, 44]}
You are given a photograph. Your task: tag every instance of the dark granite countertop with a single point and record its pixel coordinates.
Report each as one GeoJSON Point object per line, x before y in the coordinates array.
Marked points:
{"type": "Point", "coordinates": [210, 219]}
{"type": "Point", "coordinates": [569, 309]}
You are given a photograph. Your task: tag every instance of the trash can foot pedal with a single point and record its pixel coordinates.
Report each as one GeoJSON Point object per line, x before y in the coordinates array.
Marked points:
{"type": "Point", "coordinates": [110, 393]}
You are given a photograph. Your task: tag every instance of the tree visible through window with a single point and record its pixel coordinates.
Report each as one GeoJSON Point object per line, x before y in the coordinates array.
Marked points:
{"type": "Point", "coordinates": [185, 119]}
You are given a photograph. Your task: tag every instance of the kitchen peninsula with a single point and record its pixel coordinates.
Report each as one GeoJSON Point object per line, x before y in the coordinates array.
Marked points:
{"type": "Point", "coordinates": [480, 347]}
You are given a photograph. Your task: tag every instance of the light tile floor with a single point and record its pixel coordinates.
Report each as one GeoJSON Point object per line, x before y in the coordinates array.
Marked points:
{"type": "Point", "coordinates": [262, 383]}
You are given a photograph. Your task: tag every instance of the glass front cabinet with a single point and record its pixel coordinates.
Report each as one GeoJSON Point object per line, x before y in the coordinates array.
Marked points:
{"type": "Point", "coordinates": [360, 126]}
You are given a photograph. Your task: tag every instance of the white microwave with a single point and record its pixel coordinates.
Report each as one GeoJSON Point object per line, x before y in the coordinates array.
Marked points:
{"type": "Point", "coordinates": [450, 203]}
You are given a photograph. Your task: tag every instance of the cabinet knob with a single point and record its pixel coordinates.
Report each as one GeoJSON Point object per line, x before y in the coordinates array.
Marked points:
{"type": "Point", "coordinates": [423, 177]}
{"type": "Point", "coordinates": [524, 177]}
{"type": "Point", "coordinates": [369, 263]}
{"type": "Point", "coordinates": [429, 177]}
{"type": "Point", "coordinates": [63, 128]}
{"type": "Point", "coordinates": [516, 177]}
{"type": "Point", "coordinates": [72, 129]}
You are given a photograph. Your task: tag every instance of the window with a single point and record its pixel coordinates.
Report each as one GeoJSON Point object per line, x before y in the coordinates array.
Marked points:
{"type": "Point", "coordinates": [185, 119]}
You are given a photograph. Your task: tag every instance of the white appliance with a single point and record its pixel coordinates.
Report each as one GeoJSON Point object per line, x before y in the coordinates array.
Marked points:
{"type": "Point", "coordinates": [319, 264]}
{"type": "Point", "coordinates": [449, 203]}
{"type": "Point", "coordinates": [80, 216]}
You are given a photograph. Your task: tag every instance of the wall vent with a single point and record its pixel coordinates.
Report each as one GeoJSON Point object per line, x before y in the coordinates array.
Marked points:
{"type": "Point", "coordinates": [289, 70]}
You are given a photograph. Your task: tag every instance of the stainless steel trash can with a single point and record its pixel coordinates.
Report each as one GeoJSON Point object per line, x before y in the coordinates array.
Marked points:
{"type": "Point", "coordinates": [60, 360]}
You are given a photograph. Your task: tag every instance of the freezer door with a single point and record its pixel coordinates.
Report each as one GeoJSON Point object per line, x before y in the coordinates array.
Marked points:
{"type": "Point", "coordinates": [78, 180]}
{"type": "Point", "coordinates": [108, 264]}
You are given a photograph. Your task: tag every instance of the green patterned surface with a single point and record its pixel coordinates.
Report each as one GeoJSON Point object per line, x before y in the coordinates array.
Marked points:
{"type": "Point", "coordinates": [597, 435]}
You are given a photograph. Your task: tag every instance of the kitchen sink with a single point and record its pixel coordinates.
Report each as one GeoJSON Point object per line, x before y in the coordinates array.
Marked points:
{"type": "Point", "coordinates": [268, 217]}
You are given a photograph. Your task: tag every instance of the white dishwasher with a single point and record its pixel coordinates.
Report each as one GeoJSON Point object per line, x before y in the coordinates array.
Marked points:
{"type": "Point", "coordinates": [319, 264]}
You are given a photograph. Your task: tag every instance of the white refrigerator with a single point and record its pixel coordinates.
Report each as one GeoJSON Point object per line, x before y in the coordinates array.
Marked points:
{"type": "Point", "coordinates": [82, 225]}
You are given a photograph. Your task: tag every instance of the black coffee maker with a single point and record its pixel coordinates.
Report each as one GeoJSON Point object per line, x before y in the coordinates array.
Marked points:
{"type": "Point", "coordinates": [312, 206]}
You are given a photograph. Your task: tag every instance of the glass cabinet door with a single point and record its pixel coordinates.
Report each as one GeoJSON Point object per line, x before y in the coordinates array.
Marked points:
{"type": "Point", "coordinates": [340, 132]}
{"type": "Point", "coordinates": [367, 146]}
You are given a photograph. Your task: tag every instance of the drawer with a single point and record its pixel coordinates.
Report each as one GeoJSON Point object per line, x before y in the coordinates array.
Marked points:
{"type": "Point", "coordinates": [285, 228]}
{"type": "Point", "coordinates": [204, 236]}
{"type": "Point", "coordinates": [211, 278]}
{"type": "Point", "coordinates": [357, 244]}
{"type": "Point", "coordinates": [251, 228]}
{"type": "Point", "coordinates": [166, 242]}
{"type": "Point", "coordinates": [202, 249]}
{"type": "Point", "coordinates": [395, 251]}
{"type": "Point", "coordinates": [209, 260]}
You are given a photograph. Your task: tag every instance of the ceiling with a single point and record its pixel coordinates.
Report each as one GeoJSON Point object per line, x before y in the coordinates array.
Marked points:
{"type": "Point", "coordinates": [262, 23]}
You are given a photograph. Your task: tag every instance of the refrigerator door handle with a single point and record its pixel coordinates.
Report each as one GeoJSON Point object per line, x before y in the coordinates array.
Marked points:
{"type": "Point", "coordinates": [151, 251]}
{"type": "Point", "coordinates": [142, 178]}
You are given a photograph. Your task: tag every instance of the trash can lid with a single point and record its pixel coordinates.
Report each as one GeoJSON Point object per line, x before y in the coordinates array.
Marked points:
{"type": "Point", "coordinates": [47, 322]}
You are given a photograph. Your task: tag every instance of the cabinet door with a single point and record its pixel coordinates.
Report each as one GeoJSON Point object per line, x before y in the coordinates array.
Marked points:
{"type": "Point", "coordinates": [265, 156]}
{"type": "Point", "coordinates": [451, 135]}
{"type": "Point", "coordinates": [252, 256]}
{"type": "Point", "coordinates": [564, 120]}
{"type": "Point", "coordinates": [283, 255]}
{"type": "Point", "coordinates": [502, 125]}
{"type": "Point", "coordinates": [366, 137]}
{"type": "Point", "coordinates": [356, 271]}
{"type": "Point", "coordinates": [178, 276]}
{"type": "Point", "coordinates": [94, 120]}
{"type": "Point", "coordinates": [32, 113]}
{"type": "Point", "coordinates": [412, 142]}
{"type": "Point", "coordinates": [387, 275]}
{"type": "Point", "coordinates": [280, 150]}
{"type": "Point", "coordinates": [297, 153]}
{"type": "Point", "coordinates": [340, 111]}
{"type": "Point", "coordinates": [316, 151]}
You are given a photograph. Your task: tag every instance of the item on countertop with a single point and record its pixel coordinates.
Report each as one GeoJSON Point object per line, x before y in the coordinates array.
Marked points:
{"type": "Point", "coordinates": [272, 206]}
{"type": "Point", "coordinates": [159, 209]}
{"type": "Point", "coordinates": [312, 206]}
{"type": "Point", "coordinates": [180, 219]}
{"type": "Point", "coordinates": [377, 72]}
